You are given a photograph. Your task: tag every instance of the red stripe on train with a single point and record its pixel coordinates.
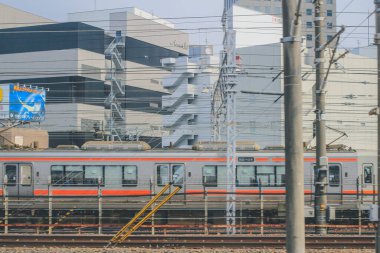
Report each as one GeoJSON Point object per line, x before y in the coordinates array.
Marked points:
{"type": "Point", "coordinates": [72, 192]}
{"type": "Point", "coordinates": [114, 159]}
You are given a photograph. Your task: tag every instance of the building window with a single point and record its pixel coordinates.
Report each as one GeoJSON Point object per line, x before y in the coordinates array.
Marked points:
{"type": "Point", "coordinates": [210, 176]}
{"type": "Point", "coordinates": [329, 25]}
{"type": "Point", "coordinates": [309, 37]}
{"type": "Point", "coordinates": [309, 12]}
{"type": "Point", "coordinates": [329, 1]}
{"type": "Point", "coordinates": [308, 1]}
{"type": "Point", "coordinates": [329, 37]}
{"type": "Point", "coordinates": [309, 24]}
{"type": "Point", "coordinates": [329, 13]}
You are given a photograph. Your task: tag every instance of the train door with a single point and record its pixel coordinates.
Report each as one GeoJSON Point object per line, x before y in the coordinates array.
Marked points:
{"type": "Point", "coordinates": [335, 183]}
{"type": "Point", "coordinates": [20, 182]}
{"type": "Point", "coordinates": [174, 173]}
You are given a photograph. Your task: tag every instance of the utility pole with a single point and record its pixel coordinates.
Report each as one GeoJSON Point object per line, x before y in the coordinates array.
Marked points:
{"type": "Point", "coordinates": [377, 42]}
{"type": "Point", "coordinates": [228, 82]}
{"type": "Point", "coordinates": [321, 158]}
{"type": "Point", "coordinates": [295, 221]}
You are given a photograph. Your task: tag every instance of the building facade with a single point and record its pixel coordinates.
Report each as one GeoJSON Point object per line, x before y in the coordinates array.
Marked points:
{"type": "Point", "coordinates": [274, 7]}
{"type": "Point", "coordinates": [69, 60]}
{"type": "Point", "coordinates": [188, 108]}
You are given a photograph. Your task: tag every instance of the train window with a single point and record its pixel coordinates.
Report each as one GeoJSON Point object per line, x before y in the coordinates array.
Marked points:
{"type": "Point", "coordinates": [26, 174]}
{"type": "Point", "coordinates": [11, 173]}
{"type": "Point", "coordinates": [280, 175]}
{"type": "Point", "coordinates": [334, 175]}
{"type": "Point", "coordinates": [265, 175]}
{"type": "Point", "coordinates": [245, 175]}
{"type": "Point", "coordinates": [57, 174]}
{"type": "Point", "coordinates": [210, 176]}
{"type": "Point", "coordinates": [113, 174]}
{"type": "Point", "coordinates": [92, 174]}
{"type": "Point", "coordinates": [178, 173]}
{"type": "Point", "coordinates": [367, 173]}
{"type": "Point", "coordinates": [73, 174]}
{"type": "Point", "coordinates": [162, 174]}
{"type": "Point", "coordinates": [130, 175]}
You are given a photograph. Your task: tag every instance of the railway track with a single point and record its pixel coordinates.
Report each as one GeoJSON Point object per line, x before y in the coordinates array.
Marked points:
{"type": "Point", "coordinates": [186, 241]}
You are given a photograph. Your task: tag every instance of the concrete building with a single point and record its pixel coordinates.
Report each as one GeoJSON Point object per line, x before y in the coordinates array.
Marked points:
{"type": "Point", "coordinates": [274, 7]}
{"type": "Point", "coordinates": [148, 39]}
{"type": "Point", "coordinates": [69, 59]}
{"type": "Point", "coordinates": [351, 94]}
{"type": "Point", "coordinates": [189, 105]}
{"type": "Point", "coordinates": [11, 17]}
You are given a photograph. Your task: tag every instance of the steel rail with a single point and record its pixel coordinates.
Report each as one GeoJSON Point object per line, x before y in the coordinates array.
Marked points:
{"type": "Point", "coordinates": [188, 241]}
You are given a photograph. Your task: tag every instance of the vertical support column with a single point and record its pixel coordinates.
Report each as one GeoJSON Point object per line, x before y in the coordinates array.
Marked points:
{"type": "Point", "coordinates": [377, 42]}
{"type": "Point", "coordinates": [206, 212]}
{"type": "Point", "coordinates": [321, 166]}
{"type": "Point", "coordinates": [241, 217]}
{"type": "Point", "coordinates": [373, 189]}
{"type": "Point", "coordinates": [231, 163]}
{"type": "Point", "coordinates": [295, 225]}
{"type": "Point", "coordinates": [261, 209]}
{"type": "Point", "coordinates": [360, 218]}
{"type": "Point", "coordinates": [100, 207]}
{"type": "Point", "coordinates": [6, 204]}
{"type": "Point", "coordinates": [50, 203]}
{"type": "Point", "coordinates": [153, 192]}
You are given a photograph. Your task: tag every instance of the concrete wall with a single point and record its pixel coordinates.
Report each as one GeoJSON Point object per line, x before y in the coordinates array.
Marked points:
{"type": "Point", "coordinates": [26, 137]}
{"type": "Point", "coordinates": [11, 17]}
{"type": "Point", "coordinates": [72, 117]}
{"type": "Point", "coordinates": [69, 62]}
{"type": "Point", "coordinates": [259, 117]}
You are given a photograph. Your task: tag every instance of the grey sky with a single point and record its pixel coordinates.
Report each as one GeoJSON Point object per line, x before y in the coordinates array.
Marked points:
{"type": "Point", "coordinates": [57, 10]}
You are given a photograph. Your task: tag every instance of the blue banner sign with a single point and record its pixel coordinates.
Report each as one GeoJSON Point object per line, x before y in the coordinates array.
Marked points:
{"type": "Point", "coordinates": [26, 103]}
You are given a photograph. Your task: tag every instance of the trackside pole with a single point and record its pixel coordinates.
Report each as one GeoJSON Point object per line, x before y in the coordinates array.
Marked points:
{"type": "Point", "coordinates": [295, 221]}
{"type": "Point", "coordinates": [377, 42]}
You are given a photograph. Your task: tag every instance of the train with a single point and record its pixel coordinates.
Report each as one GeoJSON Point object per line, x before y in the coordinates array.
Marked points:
{"type": "Point", "coordinates": [126, 178]}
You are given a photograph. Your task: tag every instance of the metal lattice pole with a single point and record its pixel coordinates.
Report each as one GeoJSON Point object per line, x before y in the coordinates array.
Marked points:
{"type": "Point", "coordinates": [231, 163]}
{"type": "Point", "coordinates": [228, 82]}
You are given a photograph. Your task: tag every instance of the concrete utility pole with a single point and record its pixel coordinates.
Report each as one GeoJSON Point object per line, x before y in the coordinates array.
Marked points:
{"type": "Point", "coordinates": [377, 42]}
{"type": "Point", "coordinates": [295, 221]}
{"type": "Point", "coordinates": [322, 162]}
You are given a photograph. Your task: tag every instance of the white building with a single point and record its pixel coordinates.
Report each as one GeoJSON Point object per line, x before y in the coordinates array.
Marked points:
{"type": "Point", "coordinates": [189, 106]}
{"type": "Point", "coordinates": [351, 94]}
{"type": "Point", "coordinates": [274, 7]}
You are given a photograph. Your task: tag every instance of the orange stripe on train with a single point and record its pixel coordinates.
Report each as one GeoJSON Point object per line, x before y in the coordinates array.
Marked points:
{"type": "Point", "coordinates": [115, 192]}
{"type": "Point", "coordinates": [114, 159]}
